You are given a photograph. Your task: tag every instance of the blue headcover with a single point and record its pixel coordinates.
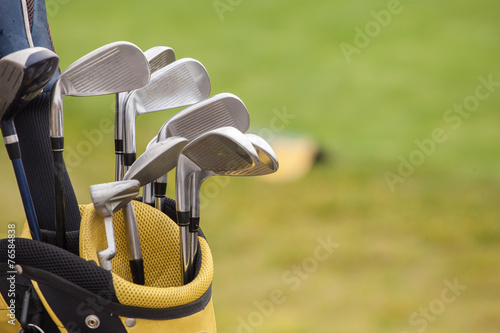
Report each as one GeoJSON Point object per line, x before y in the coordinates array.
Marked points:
{"type": "Point", "coordinates": [32, 123]}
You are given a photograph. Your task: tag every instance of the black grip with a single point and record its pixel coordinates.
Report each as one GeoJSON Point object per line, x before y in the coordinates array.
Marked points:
{"type": "Point", "coordinates": [137, 269]}
{"type": "Point", "coordinates": [57, 143]}
{"type": "Point", "coordinates": [14, 150]}
{"type": "Point", "coordinates": [128, 159]}
{"type": "Point", "coordinates": [159, 189]}
{"type": "Point", "coordinates": [194, 225]}
{"type": "Point", "coordinates": [183, 219]}
{"type": "Point", "coordinates": [118, 146]}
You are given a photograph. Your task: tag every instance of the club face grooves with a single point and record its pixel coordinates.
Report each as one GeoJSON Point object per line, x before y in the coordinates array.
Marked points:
{"type": "Point", "coordinates": [221, 110]}
{"type": "Point", "coordinates": [219, 154]}
{"type": "Point", "coordinates": [181, 83]}
{"type": "Point", "coordinates": [103, 74]}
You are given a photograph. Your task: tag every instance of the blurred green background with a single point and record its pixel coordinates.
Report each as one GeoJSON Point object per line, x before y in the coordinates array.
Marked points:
{"type": "Point", "coordinates": [370, 81]}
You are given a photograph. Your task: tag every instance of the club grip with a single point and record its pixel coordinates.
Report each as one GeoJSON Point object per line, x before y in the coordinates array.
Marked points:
{"type": "Point", "coordinates": [137, 269]}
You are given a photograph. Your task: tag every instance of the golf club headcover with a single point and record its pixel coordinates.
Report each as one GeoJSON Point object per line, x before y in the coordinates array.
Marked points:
{"type": "Point", "coordinates": [80, 296]}
{"type": "Point", "coordinates": [33, 123]}
{"type": "Point", "coordinates": [13, 33]}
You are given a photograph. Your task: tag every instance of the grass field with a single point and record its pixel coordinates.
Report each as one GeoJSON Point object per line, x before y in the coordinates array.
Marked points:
{"type": "Point", "coordinates": [398, 229]}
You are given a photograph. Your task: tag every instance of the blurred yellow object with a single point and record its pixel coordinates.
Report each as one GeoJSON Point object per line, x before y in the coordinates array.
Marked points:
{"type": "Point", "coordinates": [296, 156]}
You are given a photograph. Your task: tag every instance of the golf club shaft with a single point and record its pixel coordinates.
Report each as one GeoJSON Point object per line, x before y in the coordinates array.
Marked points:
{"type": "Point", "coordinates": [12, 145]}
{"type": "Point", "coordinates": [119, 105]}
{"type": "Point", "coordinates": [197, 180]}
{"type": "Point", "coordinates": [28, 205]}
{"type": "Point", "coordinates": [183, 223]}
{"type": "Point", "coordinates": [193, 244]}
{"type": "Point", "coordinates": [147, 194]}
{"type": "Point", "coordinates": [133, 244]}
{"type": "Point", "coordinates": [160, 190]}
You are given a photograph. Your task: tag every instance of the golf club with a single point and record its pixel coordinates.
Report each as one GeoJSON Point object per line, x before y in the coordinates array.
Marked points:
{"type": "Point", "coordinates": [267, 164]}
{"type": "Point", "coordinates": [180, 83]}
{"type": "Point", "coordinates": [23, 74]}
{"type": "Point", "coordinates": [221, 110]}
{"type": "Point", "coordinates": [158, 57]}
{"type": "Point", "coordinates": [223, 150]}
{"type": "Point", "coordinates": [160, 158]}
{"type": "Point", "coordinates": [113, 68]}
{"type": "Point", "coordinates": [147, 190]}
{"type": "Point", "coordinates": [109, 198]}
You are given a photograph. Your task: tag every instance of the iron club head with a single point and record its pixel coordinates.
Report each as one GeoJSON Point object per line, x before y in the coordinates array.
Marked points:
{"type": "Point", "coordinates": [158, 57]}
{"type": "Point", "coordinates": [223, 151]}
{"type": "Point", "coordinates": [108, 198]}
{"type": "Point", "coordinates": [221, 110]}
{"type": "Point", "coordinates": [180, 83]}
{"type": "Point", "coordinates": [267, 164]}
{"type": "Point", "coordinates": [157, 160]}
{"type": "Point", "coordinates": [110, 69]}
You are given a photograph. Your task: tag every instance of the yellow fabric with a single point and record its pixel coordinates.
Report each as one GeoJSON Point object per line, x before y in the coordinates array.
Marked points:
{"type": "Point", "coordinates": [25, 233]}
{"type": "Point", "coordinates": [159, 238]}
{"type": "Point", "coordinates": [47, 307]}
{"type": "Point", "coordinates": [5, 326]}
{"type": "Point", "coordinates": [203, 321]}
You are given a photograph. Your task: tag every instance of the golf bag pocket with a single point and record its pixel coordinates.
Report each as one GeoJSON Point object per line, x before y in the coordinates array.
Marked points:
{"type": "Point", "coordinates": [70, 293]}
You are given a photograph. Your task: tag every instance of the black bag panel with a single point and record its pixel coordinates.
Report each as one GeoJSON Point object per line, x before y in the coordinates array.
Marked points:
{"type": "Point", "coordinates": [62, 264]}
{"type": "Point", "coordinates": [32, 126]}
{"type": "Point", "coordinates": [37, 314]}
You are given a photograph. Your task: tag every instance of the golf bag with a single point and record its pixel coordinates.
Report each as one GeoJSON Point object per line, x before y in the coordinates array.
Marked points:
{"type": "Point", "coordinates": [57, 290]}
{"type": "Point", "coordinates": [44, 288]}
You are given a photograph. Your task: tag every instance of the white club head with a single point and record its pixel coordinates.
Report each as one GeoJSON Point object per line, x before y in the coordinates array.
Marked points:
{"type": "Point", "coordinates": [268, 161]}
{"type": "Point", "coordinates": [267, 164]}
{"type": "Point", "coordinates": [159, 57]}
{"type": "Point", "coordinates": [108, 198]}
{"type": "Point", "coordinates": [159, 159]}
{"type": "Point", "coordinates": [110, 69]}
{"type": "Point", "coordinates": [222, 151]}
{"type": "Point", "coordinates": [221, 110]}
{"type": "Point", "coordinates": [180, 83]}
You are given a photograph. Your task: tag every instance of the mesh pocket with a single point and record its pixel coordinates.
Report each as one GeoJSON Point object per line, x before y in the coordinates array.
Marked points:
{"type": "Point", "coordinates": [159, 237]}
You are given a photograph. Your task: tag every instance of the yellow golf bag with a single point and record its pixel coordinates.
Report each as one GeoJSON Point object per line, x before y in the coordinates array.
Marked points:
{"type": "Point", "coordinates": [47, 289]}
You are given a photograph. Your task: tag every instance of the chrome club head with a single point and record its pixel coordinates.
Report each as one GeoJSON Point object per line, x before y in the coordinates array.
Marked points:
{"type": "Point", "coordinates": [267, 164]}
{"type": "Point", "coordinates": [110, 69]}
{"type": "Point", "coordinates": [180, 83]}
{"type": "Point", "coordinates": [108, 198]}
{"type": "Point", "coordinates": [221, 110]}
{"type": "Point", "coordinates": [157, 160]}
{"type": "Point", "coordinates": [160, 158]}
{"type": "Point", "coordinates": [268, 161]}
{"type": "Point", "coordinates": [221, 151]}
{"type": "Point", "coordinates": [158, 57]}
